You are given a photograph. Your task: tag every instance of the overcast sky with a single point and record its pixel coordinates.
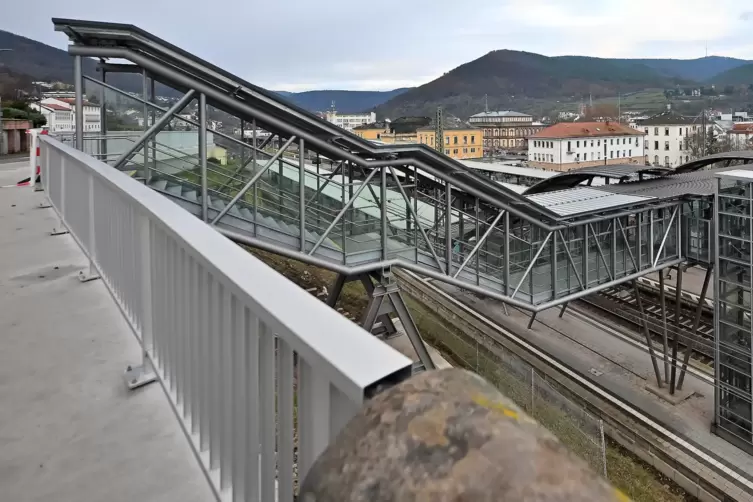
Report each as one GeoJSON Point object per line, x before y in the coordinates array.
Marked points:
{"type": "Point", "coordinates": [354, 44]}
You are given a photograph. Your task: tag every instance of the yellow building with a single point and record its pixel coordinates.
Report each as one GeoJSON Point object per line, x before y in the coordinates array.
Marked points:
{"type": "Point", "coordinates": [460, 142]}
{"type": "Point", "coordinates": [372, 132]}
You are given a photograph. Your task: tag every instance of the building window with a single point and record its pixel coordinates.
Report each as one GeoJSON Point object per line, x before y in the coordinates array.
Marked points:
{"type": "Point", "coordinates": [455, 151]}
{"type": "Point", "coordinates": [611, 154]}
{"type": "Point", "coordinates": [624, 153]}
{"type": "Point", "coordinates": [666, 145]}
{"type": "Point", "coordinates": [569, 149]}
{"type": "Point", "coordinates": [656, 133]}
{"type": "Point", "coordinates": [630, 153]}
{"type": "Point", "coordinates": [465, 140]}
{"type": "Point", "coordinates": [577, 157]}
{"type": "Point", "coordinates": [465, 150]}
{"type": "Point", "coordinates": [656, 160]}
{"type": "Point", "coordinates": [611, 141]}
{"type": "Point", "coordinates": [666, 161]}
{"type": "Point", "coordinates": [681, 131]}
{"type": "Point", "coordinates": [687, 158]}
{"type": "Point", "coordinates": [585, 156]}
{"type": "Point", "coordinates": [598, 142]}
{"type": "Point", "coordinates": [656, 145]}
{"type": "Point", "coordinates": [645, 144]}
{"type": "Point", "coordinates": [599, 154]}
{"type": "Point", "coordinates": [447, 140]}
{"type": "Point", "coordinates": [666, 131]}
{"type": "Point", "coordinates": [473, 140]}
{"type": "Point", "coordinates": [637, 142]}
{"type": "Point", "coordinates": [645, 129]}
{"type": "Point", "coordinates": [473, 150]}
{"type": "Point", "coordinates": [454, 140]}
{"type": "Point", "coordinates": [447, 151]}
{"type": "Point", "coordinates": [577, 144]}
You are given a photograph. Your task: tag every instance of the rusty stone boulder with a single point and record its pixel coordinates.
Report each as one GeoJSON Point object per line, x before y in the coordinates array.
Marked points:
{"type": "Point", "coordinates": [449, 436]}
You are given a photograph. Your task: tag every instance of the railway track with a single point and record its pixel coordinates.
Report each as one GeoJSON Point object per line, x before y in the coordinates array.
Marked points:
{"type": "Point", "coordinates": [619, 305]}
{"type": "Point", "coordinates": [680, 455]}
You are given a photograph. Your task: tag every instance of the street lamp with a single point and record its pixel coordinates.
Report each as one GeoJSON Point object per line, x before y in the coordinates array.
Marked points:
{"type": "Point", "coordinates": [1, 113]}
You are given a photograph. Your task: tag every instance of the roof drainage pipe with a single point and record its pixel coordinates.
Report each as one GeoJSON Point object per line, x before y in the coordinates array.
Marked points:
{"type": "Point", "coordinates": [157, 68]}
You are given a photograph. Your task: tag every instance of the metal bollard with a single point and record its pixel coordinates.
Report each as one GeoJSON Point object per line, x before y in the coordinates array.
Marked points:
{"type": "Point", "coordinates": [445, 436]}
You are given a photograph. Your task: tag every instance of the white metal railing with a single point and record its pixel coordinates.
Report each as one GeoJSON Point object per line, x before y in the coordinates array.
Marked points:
{"type": "Point", "coordinates": [245, 356]}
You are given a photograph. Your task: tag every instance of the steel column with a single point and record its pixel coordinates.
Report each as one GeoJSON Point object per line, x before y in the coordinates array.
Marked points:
{"type": "Point", "coordinates": [79, 82]}
{"type": "Point", "coordinates": [554, 266]}
{"type": "Point", "coordinates": [664, 238]}
{"type": "Point", "coordinates": [383, 207]}
{"type": "Point", "coordinates": [665, 340]}
{"type": "Point", "coordinates": [566, 245]}
{"type": "Point", "coordinates": [448, 226]}
{"type": "Point", "coordinates": [145, 112]}
{"type": "Point", "coordinates": [103, 118]}
{"type": "Point", "coordinates": [203, 157]}
{"type": "Point", "coordinates": [676, 341]}
{"type": "Point", "coordinates": [301, 193]}
{"type": "Point", "coordinates": [252, 181]}
{"type": "Point", "coordinates": [690, 347]}
{"type": "Point", "coordinates": [646, 331]}
{"type": "Point", "coordinates": [506, 272]}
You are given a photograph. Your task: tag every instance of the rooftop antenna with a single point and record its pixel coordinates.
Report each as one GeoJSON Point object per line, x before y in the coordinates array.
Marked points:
{"type": "Point", "coordinates": [332, 106]}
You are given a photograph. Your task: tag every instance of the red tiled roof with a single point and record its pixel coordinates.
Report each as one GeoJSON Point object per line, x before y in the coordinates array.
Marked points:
{"type": "Point", "coordinates": [55, 106]}
{"type": "Point", "coordinates": [586, 130]}
{"type": "Point", "coordinates": [72, 101]}
{"type": "Point", "coordinates": [742, 129]}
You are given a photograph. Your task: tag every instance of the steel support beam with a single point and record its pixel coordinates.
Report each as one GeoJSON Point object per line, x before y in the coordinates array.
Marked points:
{"type": "Point", "coordinates": [646, 331]}
{"type": "Point", "coordinates": [302, 193]}
{"type": "Point", "coordinates": [145, 112]}
{"type": "Point", "coordinates": [78, 76]}
{"type": "Point", "coordinates": [676, 341]}
{"type": "Point", "coordinates": [480, 242]}
{"type": "Point", "coordinates": [244, 164]}
{"type": "Point", "coordinates": [156, 127]}
{"type": "Point", "coordinates": [203, 157]}
{"type": "Point", "coordinates": [448, 226]}
{"type": "Point", "coordinates": [665, 341]}
{"type": "Point", "coordinates": [343, 211]}
{"type": "Point", "coordinates": [572, 263]}
{"type": "Point", "coordinates": [326, 182]}
{"type": "Point", "coordinates": [664, 238]}
{"type": "Point", "coordinates": [530, 265]}
{"type": "Point", "coordinates": [252, 181]}
{"type": "Point", "coordinates": [601, 253]}
{"type": "Point", "coordinates": [103, 118]}
{"type": "Point", "coordinates": [415, 218]}
{"type": "Point", "coordinates": [690, 347]}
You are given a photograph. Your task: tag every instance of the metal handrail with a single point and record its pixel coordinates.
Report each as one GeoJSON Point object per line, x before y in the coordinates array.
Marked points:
{"type": "Point", "coordinates": [216, 326]}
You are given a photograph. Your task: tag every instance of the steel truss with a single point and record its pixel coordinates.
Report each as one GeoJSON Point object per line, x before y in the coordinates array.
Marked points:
{"type": "Point", "coordinates": [377, 208]}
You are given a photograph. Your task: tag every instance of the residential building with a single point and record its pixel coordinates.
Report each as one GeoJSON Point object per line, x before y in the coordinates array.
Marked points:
{"type": "Point", "coordinates": [741, 136]}
{"type": "Point", "coordinates": [350, 121]}
{"type": "Point", "coordinates": [61, 114]}
{"type": "Point", "coordinates": [569, 145]}
{"type": "Point", "coordinates": [667, 137]}
{"type": "Point", "coordinates": [461, 141]}
{"type": "Point", "coordinates": [402, 130]}
{"type": "Point", "coordinates": [505, 130]}
{"type": "Point", "coordinates": [373, 131]}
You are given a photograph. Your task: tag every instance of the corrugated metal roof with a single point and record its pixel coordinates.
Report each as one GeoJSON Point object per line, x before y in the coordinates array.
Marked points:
{"type": "Point", "coordinates": [737, 173]}
{"type": "Point", "coordinates": [503, 113]}
{"type": "Point", "coordinates": [583, 200]}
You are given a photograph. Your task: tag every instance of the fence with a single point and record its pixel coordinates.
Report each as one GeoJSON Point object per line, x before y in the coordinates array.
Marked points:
{"type": "Point", "coordinates": [258, 391]}
{"type": "Point", "coordinates": [572, 424]}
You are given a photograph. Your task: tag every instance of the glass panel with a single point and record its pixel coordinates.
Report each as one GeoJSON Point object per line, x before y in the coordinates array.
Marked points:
{"type": "Point", "coordinates": [735, 337]}
{"type": "Point", "coordinates": [734, 272]}
{"type": "Point", "coordinates": [734, 205]}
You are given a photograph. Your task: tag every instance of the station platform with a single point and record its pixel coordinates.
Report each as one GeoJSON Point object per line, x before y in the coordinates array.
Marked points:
{"type": "Point", "coordinates": [622, 369]}
{"type": "Point", "coordinates": [70, 430]}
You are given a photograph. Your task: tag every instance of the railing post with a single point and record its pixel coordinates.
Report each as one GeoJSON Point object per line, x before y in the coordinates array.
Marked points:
{"type": "Point", "coordinates": [60, 229]}
{"type": "Point", "coordinates": [92, 274]}
{"type": "Point", "coordinates": [79, 83]}
{"type": "Point", "coordinates": [138, 376]}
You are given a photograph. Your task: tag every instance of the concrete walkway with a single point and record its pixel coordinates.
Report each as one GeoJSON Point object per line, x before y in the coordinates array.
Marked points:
{"type": "Point", "coordinates": [69, 428]}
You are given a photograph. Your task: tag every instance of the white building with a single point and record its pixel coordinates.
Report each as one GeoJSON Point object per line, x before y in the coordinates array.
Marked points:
{"type": "Point", "coordinates": [570, 145]}
{"type": "Point", "coordinates": [350, 121]}
{"type": "Point", "coordinates": [61, 114]}
{"type": "Point", "coordinates": [667, 136]}
{"type": "Point", "coordinates": [741, 136]}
